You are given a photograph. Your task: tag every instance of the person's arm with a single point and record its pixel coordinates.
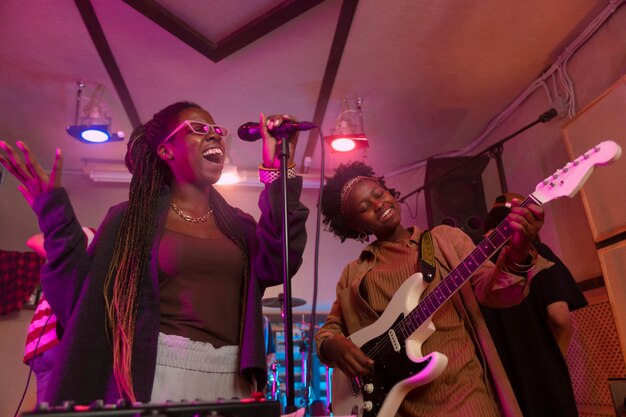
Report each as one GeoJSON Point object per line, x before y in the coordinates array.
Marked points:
{"type": "Point", "coordinates": [45, 194]}
{"type": "Point", "coordinates": [560, 295]}
{"type": "Point", "coordinates": [333, 347]}
{"type": "Point", "coordinates": [508, 282]}
{"type": "Point", "coordinates": [65, 244]}
{"type": "Point", "coordinates": [493, 285]}
{"type": "Point", "coordinates": [342, 353]}
{"type": "Point", "coordinates": [268, 260]}
{"type": "Point", "coordinates": [560, 323]}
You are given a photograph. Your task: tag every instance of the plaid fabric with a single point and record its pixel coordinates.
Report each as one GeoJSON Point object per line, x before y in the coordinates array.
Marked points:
{"type": "Point", "coordinates": [19, 275]}
{"type": "Point", "coordinates": [42, 333]}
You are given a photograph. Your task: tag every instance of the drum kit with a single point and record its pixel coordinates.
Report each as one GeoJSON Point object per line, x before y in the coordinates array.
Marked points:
{"type": "Point", "coordinates": [275, 389]}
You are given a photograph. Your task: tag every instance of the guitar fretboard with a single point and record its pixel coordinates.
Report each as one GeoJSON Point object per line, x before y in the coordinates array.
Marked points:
{"type": "Point", "coordinates": [457, 277]}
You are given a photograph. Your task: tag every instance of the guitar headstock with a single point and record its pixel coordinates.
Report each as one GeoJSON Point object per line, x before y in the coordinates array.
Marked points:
{"type": "Point", "coordinates": [566, 182]}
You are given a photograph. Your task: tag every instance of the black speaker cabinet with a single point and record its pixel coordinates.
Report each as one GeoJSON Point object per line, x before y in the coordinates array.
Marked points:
{"type": "Point", "coordinates": [456, 197]}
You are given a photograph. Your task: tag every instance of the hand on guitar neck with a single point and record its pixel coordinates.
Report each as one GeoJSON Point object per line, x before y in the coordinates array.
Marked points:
{"type": "Point", "coordinates": [386, 355]}
{"type": "Point", "coordinates": [526, 223]}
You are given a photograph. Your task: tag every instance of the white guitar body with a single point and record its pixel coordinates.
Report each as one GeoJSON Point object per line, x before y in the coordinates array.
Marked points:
{"type": "Point", "coordinates": [346, 402]}
{"type": "Point", "coordinates": [395, 340]}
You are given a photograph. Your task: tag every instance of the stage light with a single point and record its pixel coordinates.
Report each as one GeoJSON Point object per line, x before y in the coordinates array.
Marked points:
{"type": "Point", "coordinates": [349, 133]}
{"type": "Point", "coordinates": [94, 126]}
{"type": "Point", "coordinates": [94, 133]}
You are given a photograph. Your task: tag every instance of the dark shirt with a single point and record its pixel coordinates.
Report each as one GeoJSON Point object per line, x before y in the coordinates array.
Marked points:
{"type": "Point", "coordinates": [529, 352]}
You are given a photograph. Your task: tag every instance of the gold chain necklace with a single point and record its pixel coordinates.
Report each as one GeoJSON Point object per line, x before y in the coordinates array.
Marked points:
{"type": "Point", "coordinates": [187, 217]}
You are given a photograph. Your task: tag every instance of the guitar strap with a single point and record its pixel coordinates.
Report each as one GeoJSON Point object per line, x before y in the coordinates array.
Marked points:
{"type": "Point", "coordinates": [427, 256]}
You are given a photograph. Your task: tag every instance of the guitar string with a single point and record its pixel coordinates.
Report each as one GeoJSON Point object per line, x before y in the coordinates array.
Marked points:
{"type": "Point", "coordinates": [413, 320]}
{"type": "Point", "coordinates": [539, 190]}
{"type": "Point", "coordinates": [409, 322]}
{"type": "Point", "coordinates": [404, 324]}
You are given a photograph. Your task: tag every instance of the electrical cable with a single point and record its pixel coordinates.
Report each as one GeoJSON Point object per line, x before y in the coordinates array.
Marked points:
{"type": "Point", "coordinates": [318, 224]}
{"type": "Point", "coordinates": [559, 67]}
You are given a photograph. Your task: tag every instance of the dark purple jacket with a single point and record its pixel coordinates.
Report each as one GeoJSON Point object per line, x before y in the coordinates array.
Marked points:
{"type": "Point", "coordinates": [73, 281]}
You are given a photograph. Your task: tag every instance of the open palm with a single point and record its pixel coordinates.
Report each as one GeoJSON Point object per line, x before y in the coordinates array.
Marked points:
{"type": "Point", "coordinates": [25, 168]}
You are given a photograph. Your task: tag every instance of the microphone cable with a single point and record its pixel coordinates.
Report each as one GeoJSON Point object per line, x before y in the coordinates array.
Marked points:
{"type": "Point", "coordinates": [312, 318]}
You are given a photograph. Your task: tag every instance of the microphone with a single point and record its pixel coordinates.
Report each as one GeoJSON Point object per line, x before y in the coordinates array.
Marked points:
{"type": "Point", "coordinates": [251, 131]}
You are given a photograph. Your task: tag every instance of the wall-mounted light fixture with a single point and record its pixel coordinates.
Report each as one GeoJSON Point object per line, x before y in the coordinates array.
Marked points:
{"type": "Point", "coordinates": [349, 133]}
{"type": "Point", "coordinates": [93, 126]}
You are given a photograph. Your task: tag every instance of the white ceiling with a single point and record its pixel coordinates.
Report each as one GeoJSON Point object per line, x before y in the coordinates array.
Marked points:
{"type": "Point", "coordinates": [432, 74]}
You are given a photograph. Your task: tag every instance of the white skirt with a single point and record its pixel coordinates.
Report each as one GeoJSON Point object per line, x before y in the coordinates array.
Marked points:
{"type": "Point", "coordinates": [189, 370]}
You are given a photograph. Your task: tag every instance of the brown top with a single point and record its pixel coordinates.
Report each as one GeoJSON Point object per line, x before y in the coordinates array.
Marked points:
{"type": "Point", "coordinates": [200, 284]}
{"type": "Point", "coordinates": [492, 286]}
{"type": "Point", "coordinates": [395, 262]}
{"type": "Point", "coordinates": [460, 390]}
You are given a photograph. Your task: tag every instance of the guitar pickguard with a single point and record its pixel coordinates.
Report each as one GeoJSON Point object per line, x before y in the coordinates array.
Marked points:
{"type": "Point", "coordinates": [398, 367]}
{"type": "Point", "coordinates": [390, 366]}
{"type": "Point", "coordinates": [394, 341]}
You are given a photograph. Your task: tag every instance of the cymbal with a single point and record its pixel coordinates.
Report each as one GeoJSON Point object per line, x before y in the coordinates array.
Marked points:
{"type": "Point", "coordinates": [277, 302]}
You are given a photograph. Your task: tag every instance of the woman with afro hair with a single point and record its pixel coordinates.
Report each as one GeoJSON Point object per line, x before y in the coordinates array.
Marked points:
{"type": "Point", "coordinates": [358, 204]}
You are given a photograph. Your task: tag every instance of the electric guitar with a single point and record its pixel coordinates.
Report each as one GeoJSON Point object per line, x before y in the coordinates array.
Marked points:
{"type": "Point", "coordinates": [394, 341]}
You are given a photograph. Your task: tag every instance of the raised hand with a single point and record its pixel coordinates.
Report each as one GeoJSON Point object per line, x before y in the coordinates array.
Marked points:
{"type": "Point", "coordinates": [272, 145]}
{"type": "Point", "coordinates": [34, 180]}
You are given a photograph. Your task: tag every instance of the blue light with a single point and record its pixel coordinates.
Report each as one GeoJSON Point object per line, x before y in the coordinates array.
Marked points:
{"type": "Point", "coordinates": [93, 133]}
{"type": "Point", "coordinates": [94, 136]}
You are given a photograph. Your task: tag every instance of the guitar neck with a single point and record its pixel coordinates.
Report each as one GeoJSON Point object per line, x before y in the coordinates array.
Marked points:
{"type": "Point", "coordinates": [457, 277]}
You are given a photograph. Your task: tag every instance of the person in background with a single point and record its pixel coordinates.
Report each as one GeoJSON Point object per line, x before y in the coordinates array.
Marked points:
{"type": "Point", "coordinates": [532, 337]}
{"type": "Point", "coordinates": [166, 302]}
{"type": "Point", "coordinates": [358, 204]}
{"type": "Point", "coordinates": [40, 350]}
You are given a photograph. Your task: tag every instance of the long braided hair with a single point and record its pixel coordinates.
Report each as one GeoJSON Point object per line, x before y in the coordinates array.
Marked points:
{"type": "Point", "coordinates": [136, 235]}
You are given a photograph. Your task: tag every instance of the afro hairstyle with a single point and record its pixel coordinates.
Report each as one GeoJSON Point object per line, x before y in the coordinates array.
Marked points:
{"type": "Point", "coordinates": [331, 200]}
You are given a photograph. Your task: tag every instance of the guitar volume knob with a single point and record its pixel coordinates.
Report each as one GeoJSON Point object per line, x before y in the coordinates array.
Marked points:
{"type": "Point", "coordinates": [368, 388]}
{"type": "Point", "coordinates": [368, 406]}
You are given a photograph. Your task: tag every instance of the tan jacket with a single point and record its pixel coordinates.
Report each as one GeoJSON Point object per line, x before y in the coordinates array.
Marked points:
{"type": "Point", "coordinates": [492, 286]}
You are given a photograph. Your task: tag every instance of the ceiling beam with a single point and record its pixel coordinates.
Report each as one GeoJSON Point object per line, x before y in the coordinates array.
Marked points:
{"type": "Point", "coordinates": [242, 37]}
{"type": "Point", "coordinates": [263, 25]}
{"type": "Point", "coordinates": [346, 16]}
{"type": "Point", "coordinates": [106, 55]}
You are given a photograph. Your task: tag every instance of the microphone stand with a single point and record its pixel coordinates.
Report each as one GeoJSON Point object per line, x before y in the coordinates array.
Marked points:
{"type": "Point", "coordinates": [495, 151]}
{"type": "Point", "coordinates": [287, 313]}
